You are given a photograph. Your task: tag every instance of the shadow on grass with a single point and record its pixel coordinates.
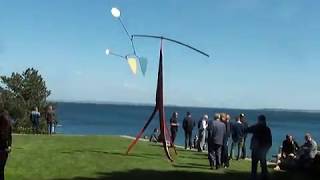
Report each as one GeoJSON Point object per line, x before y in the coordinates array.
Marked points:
{"type": "Point", "coordinates": [160, 175]}
{"type": "Point", "coordinates": [192, 166]}
{"type": "Point", "coordinates": [205, 158]}
{"type": "Point", "coordinates": [145, 155]}
{"type": "Point", "coordinates": [138, 174]}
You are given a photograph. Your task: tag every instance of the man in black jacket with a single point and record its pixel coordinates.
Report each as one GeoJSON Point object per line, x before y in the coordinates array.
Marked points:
{"type": "Point", "coordinates": [225, 119]}
{"type": "Point", "coordinates": [237, 131]}
{"type": "Point", "coordinates": [289, 146]}
{"type": "Point", "coordinates": [261, 142]}
{"type": "Point", "coordinates": [188, 125]}
{"type": "Point", "coordinates": [5, 141]}
{"type": "Point", "coordinates": [245, 125]}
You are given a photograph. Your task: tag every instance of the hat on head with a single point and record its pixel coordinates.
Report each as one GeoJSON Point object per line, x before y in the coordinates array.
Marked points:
{"type": "Point", "coordinates": [241, 115]}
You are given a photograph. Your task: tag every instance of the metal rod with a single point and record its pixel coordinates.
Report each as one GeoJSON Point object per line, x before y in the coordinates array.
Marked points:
{"type": "Point", "coordinates": [172, 40]}
{"type": "Point", "coordinates": [133, 48]}
{"type": "Point", "coordinates": [118, 55]}
{"type": "Point", "coordinates": [130, 37]}
{"type": "Point", "coordinates": [125, 29]}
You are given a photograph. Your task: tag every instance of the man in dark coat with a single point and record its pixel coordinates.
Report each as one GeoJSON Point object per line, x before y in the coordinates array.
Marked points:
{"type": "Point", "coordinates": [174, 126]}
{"type": "Point", "coordinates": [246, 125]}
{"type": "Point", "coordinates": [237, 131]}
{"type": "Point", "coordinates": [216, 134]}
{"type": "Point", "coordinates": [261, 142]}
{"type": "Point", "coordinates": [225, 118]}
{"type": "Point", "coordinates": [289, 146]}
{"type": "Point", "coordinates": [5, 141]}
{"type": "Point", "coordinates": [188, 125]}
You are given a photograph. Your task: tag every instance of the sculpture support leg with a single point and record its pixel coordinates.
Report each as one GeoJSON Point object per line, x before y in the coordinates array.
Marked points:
{"type": "Point", "coordinates": [142, 130]}
{"type": "Point", "coordinates": [159, 107]}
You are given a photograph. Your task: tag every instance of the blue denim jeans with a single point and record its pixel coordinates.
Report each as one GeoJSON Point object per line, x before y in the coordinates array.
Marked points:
{"type": "Point", "coordinates": [239, 145]}
{"type": "Point", "coordinates": [49, 126]}
{"type": "Point", "coordinates": [35, 125]}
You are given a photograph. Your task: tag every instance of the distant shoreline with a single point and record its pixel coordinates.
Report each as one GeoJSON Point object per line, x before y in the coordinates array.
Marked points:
{"type": "Point", "coordinates": [181, 106]}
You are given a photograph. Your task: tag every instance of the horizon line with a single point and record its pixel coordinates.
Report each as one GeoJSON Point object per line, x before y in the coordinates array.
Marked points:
{"type": "Point", "coordinates": [177, 105]}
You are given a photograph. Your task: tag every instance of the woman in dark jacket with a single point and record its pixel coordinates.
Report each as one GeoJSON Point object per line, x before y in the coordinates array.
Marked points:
{"type": "Point", "coordinates": [174, 126]}
{"type": "Point", "coordinates": [50, 119]}
{"type": "Point", "coordinates": [5, 141]}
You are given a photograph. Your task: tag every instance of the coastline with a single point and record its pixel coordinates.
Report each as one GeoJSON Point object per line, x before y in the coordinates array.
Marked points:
{"type": "Point", "coordinates": [151, 104]}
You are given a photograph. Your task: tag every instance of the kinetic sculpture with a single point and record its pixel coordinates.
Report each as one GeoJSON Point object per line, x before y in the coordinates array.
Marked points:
{"type": "Point", "coordinates": [159, 107]}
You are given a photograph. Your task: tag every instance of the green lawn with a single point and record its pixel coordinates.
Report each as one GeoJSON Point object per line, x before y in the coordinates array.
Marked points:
{"type": "Point", "coordinates": [102, 157]}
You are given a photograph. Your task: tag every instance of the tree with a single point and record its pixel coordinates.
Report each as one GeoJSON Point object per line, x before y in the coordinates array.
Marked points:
{"type": "Point", "coordinates": [20, 93]}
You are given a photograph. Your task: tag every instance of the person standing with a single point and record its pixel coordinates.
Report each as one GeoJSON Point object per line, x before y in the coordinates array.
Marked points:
{"type": "Point", "coordinates": [245, 125]}
{"type": "Point", "coordinates": [188, 125]}
{"type": "Point", "coordinates": [202, 126]}
{"type": "Point", "coordinates": [35, 119]}
{"type": "Point", "coordinates": [50, 119]}
{"type": "Point", "coordinates": [216, 133]}
{"type": "Point", "coordinates": [261, 142]}
{"type": "Point", "coordinates": [174, 126]}
{"type": "Point", "coordinates": [225, 118]}
{"type": "Point", "coordinates": [237, 134]}
{"type": "Point", "coordinates": [5, 141]}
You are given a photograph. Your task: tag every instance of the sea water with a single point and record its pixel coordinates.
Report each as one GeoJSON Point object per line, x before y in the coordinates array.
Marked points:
{"type": "Point", "coordinates": [112, 119]}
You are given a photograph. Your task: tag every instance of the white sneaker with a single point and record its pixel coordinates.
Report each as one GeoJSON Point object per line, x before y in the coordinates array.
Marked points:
{"type": "Point", "coordinates": [277, 168]}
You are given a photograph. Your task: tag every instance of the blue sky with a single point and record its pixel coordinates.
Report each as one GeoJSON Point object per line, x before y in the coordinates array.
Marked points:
{"type": "Point", "coordinates": [264, 54]}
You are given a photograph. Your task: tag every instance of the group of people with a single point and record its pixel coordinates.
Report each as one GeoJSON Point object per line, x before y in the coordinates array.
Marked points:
{"type": "Point", "coordinates": [235, 130]}
{"type": "Point", "coordinates": [216, 134]}
{"type": "Point", "coordinates": [292, 156]}
{"type": "Point", "coordinates": [51, 121]}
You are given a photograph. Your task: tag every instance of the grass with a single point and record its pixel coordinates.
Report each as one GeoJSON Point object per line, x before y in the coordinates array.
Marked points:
{"type": "Point", "coordinates": [102, 157]}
